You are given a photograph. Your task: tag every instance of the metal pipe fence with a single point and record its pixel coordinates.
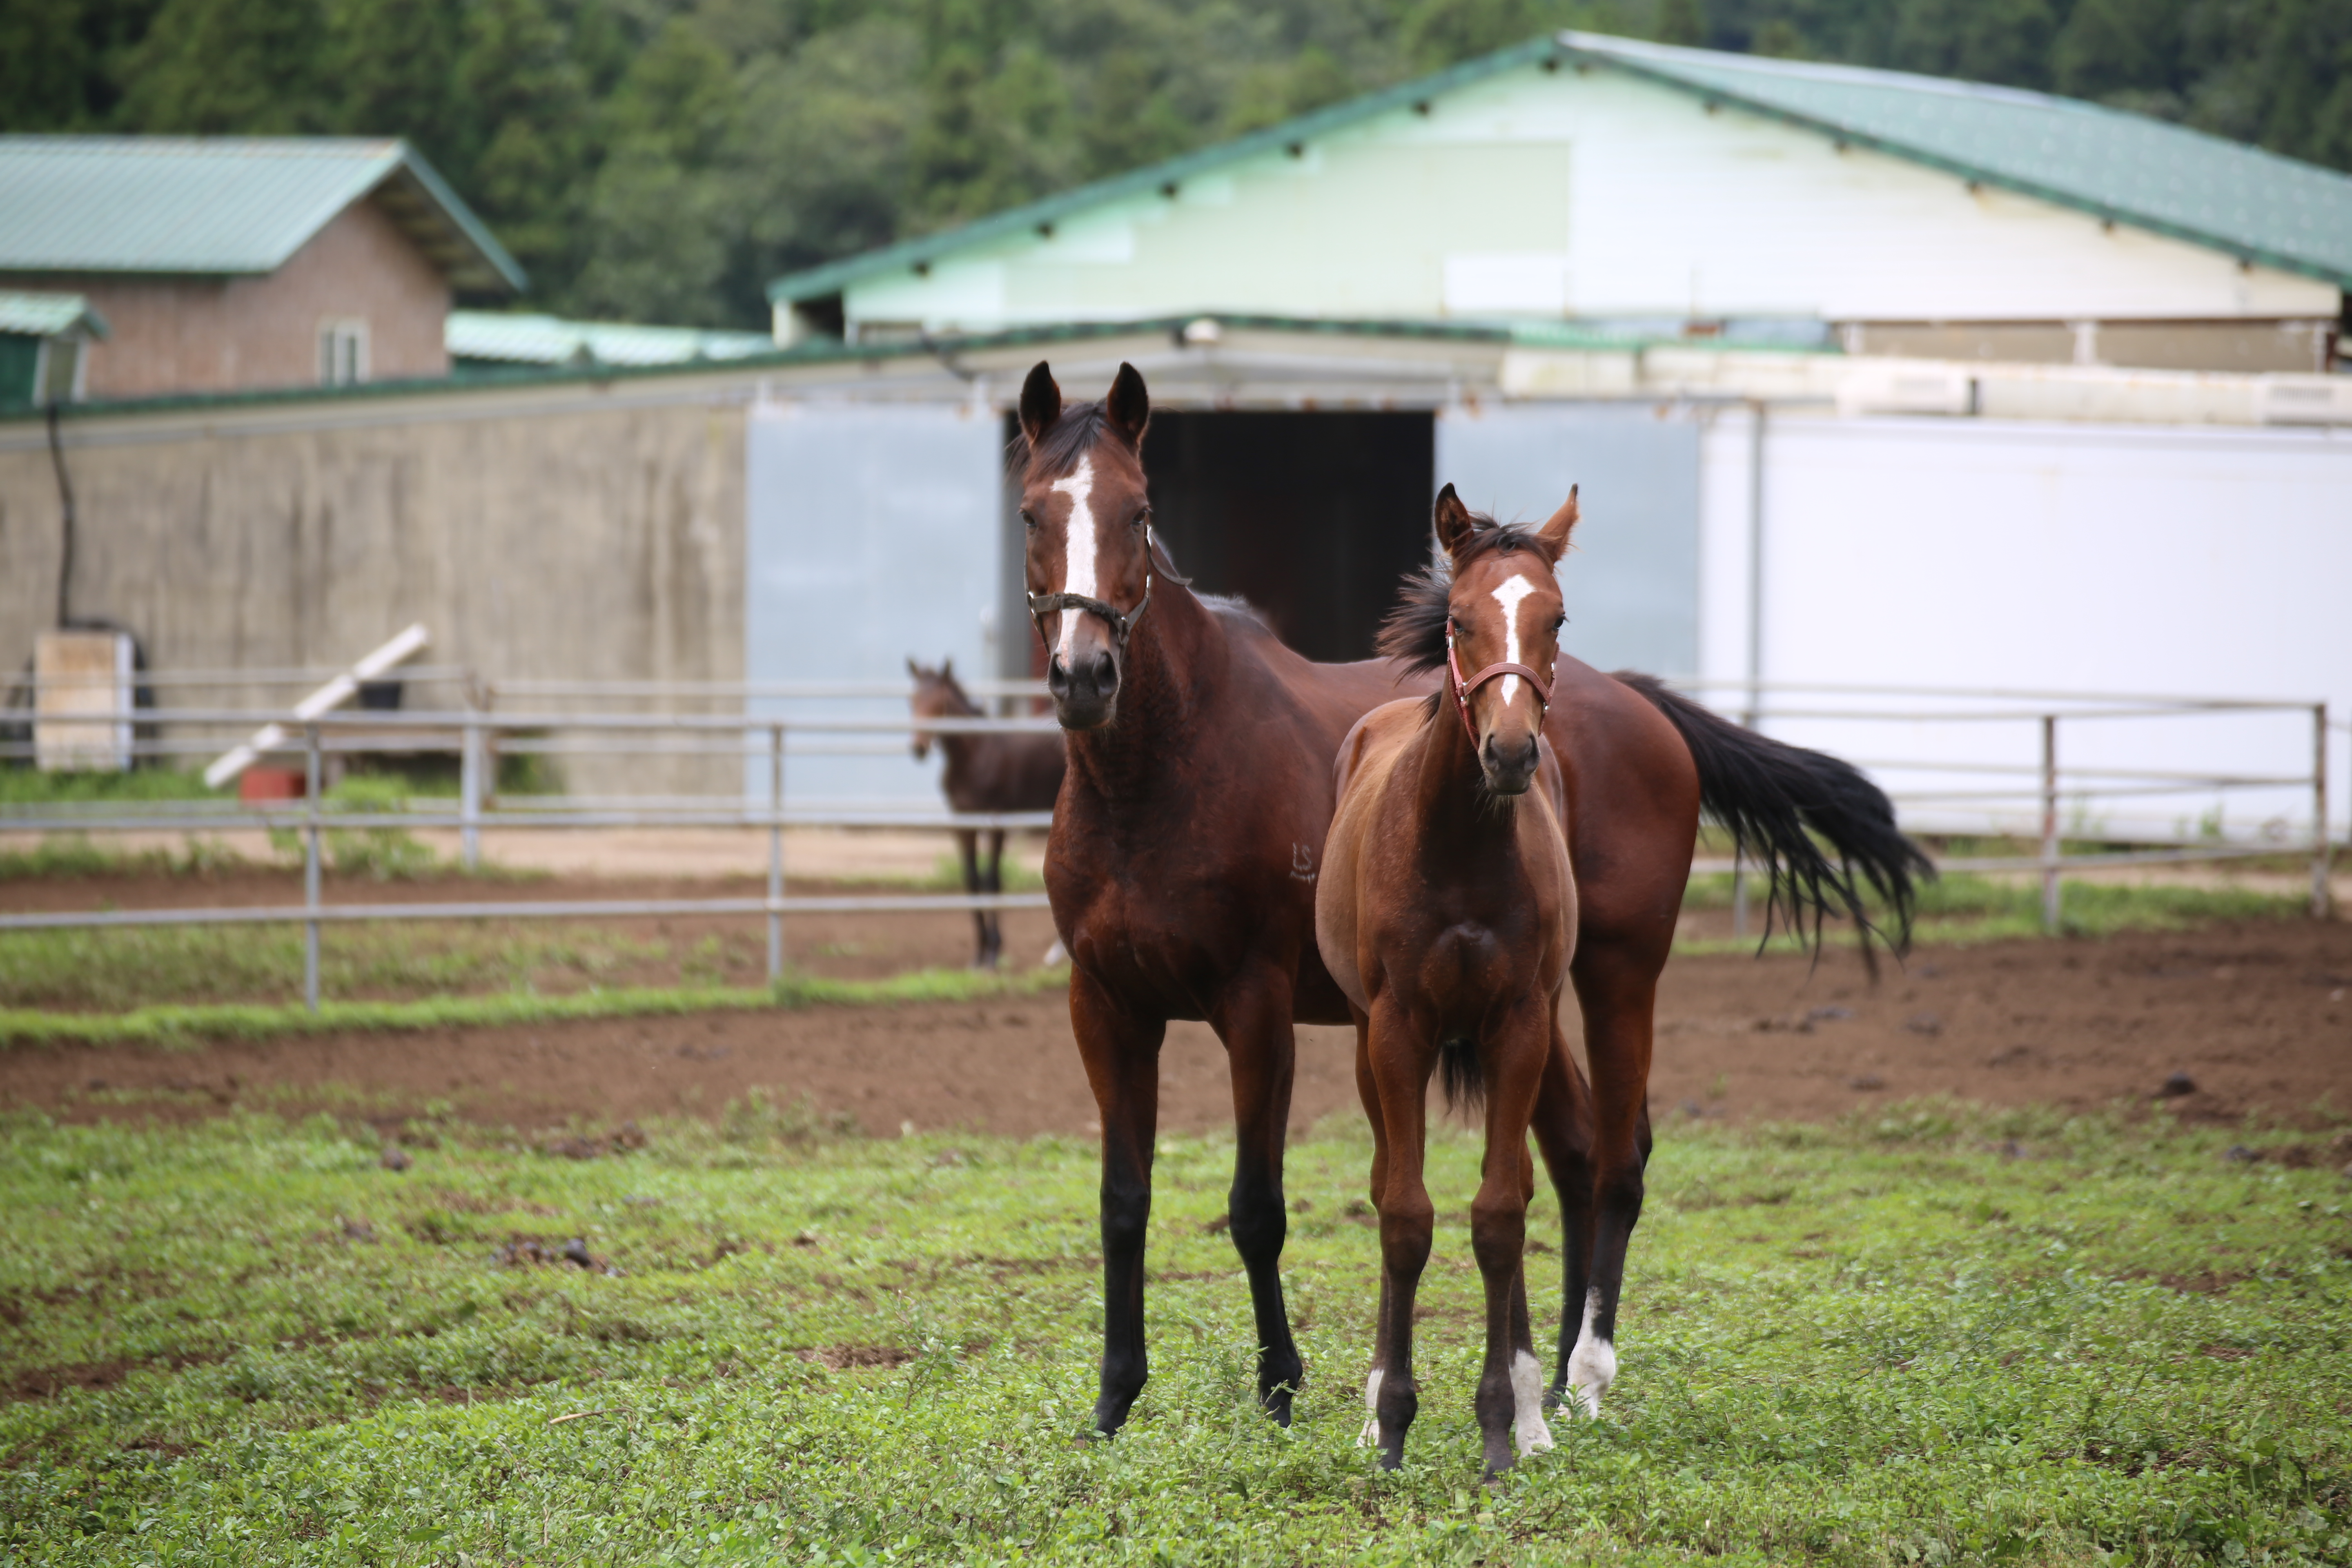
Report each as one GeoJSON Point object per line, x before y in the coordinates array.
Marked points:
{"type": "Point", "coordinates": [474, 734]}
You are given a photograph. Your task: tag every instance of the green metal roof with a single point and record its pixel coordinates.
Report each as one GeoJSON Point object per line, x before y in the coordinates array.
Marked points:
{"type": "Point", "coordinates": [48, 315]}
{"type": "Point", "coordinates": [2126, 167]}
{"type": "Point", "coordinates": [549, 339]}
{"type": "Point", "coordinates": [223, 205]}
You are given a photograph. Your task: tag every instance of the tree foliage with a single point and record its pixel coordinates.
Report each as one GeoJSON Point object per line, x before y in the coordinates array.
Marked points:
{"type": "Point", "coordinates": [659, 160]}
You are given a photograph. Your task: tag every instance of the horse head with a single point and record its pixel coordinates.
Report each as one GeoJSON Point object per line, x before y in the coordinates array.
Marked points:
{"type": "Point", "coordinates": [1089, 538]}
{"type": "Point", "coordinates": [1504, 613]}
{"type": "Point", "coordinates": [938, 695]}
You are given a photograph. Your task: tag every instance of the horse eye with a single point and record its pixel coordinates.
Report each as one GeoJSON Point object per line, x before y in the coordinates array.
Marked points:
{"type": "Point", "coordinates": [1030, 519]}
{"type": "Point", "coordinates": [1141, 518]}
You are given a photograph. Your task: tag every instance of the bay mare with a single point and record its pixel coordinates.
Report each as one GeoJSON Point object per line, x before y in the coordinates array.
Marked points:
{"type": "Point", "coordinates": [1188, 839]}
{"type": "Point", "coordinates": [1004, 770]}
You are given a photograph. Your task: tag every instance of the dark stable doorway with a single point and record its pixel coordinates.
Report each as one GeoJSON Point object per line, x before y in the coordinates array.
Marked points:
{"type": "Point", "coordinates": [1311, 517]}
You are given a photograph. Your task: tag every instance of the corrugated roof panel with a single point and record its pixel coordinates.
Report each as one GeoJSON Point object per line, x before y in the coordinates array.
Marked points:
{"type": "Point", "coordinates": [47, 315]}
{"type": "Point", "coordinates": [208, 205]}
{"type": "Point", "coordinates": [550, 340]}
{"type": "Point", "coordinates": [2148, 172]}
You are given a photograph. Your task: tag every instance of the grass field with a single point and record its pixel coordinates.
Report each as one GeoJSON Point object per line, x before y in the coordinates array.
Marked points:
{"type": "Point", "coordinates": [1931, 1336]}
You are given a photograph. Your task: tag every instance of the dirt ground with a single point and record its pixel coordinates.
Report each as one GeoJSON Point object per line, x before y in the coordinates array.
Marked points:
{"type": "Point", "coordinates": [2258, 1016]}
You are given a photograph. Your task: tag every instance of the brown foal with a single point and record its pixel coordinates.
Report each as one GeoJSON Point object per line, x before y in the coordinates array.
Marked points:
{"type": "Point", "coordinates": [1447, 913]}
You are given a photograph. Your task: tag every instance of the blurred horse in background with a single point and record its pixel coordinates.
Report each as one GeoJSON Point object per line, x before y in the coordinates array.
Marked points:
{"type": "Point", "coordinates": [985, 773]}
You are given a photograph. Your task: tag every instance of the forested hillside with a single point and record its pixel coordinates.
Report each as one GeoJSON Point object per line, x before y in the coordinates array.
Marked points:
{"type": "Point", "coordinates": [658, 162]}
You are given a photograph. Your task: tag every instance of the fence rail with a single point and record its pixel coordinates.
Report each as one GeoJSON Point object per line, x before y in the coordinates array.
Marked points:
{"type": "Point", "coordinates": [476, 732]}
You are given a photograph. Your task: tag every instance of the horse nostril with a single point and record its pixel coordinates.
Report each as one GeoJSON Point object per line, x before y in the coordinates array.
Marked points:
{"type": "Point", "coordinates": [1106, 672]}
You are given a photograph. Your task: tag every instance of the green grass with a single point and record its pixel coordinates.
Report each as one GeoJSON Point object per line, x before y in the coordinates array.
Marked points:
{"type": "Point", "coordinates": [1890, 1341]}
{"type": "Point", "coordinates": [169, 1024]}
{"type": "Point", "coordinates": [30, 786]}
{"type": "Point", "coordinates": [1963, 907]}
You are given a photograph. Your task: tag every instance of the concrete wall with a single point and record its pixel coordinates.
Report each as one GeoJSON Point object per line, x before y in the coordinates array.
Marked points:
{"type": "Point", "coordinates": [578, 542]}
{"type": "Point", "coordinates": [222, 334]}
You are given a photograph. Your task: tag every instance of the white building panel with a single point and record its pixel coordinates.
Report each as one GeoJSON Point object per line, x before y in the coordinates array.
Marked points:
{"type": "Point", "coordinates": [1990, 555]}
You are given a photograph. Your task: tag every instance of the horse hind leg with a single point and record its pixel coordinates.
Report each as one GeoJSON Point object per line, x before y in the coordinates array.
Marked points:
{"type": "Point", "coordinates": [1619, 994]}
{"type": "Point", "coordinates": [967, 850]}
{"type": "Point", "coordinates": [1564, 1129]}
{"type": "Point", "coordinates": [991, 929]}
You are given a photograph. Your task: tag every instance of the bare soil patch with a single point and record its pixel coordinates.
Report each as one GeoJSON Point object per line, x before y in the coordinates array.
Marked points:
{"type": "Point", "coordinates": [2258, 1017]}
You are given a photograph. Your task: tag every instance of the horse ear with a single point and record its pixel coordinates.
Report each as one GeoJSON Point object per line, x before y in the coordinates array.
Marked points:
{"type": "Point", "coordinates": [947, 668]}
{"type": "Point", "coordinates": [1554, 534]}
{"type": "Point", "coordinates": [1041, 404]}
{"type": "Point", "coordinates": [1454, 524]}
{"type": "Point", "coordinates": [913, 668]}
{"type": "Point", "coordinates": [1129, 405]}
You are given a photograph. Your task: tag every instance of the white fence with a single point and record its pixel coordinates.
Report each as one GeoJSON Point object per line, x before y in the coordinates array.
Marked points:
{"type": "Point", "coordinates": [2052, 791]}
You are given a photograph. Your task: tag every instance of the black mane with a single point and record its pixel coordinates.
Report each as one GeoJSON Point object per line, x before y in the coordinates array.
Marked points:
{"type": "Point", "coordinates": [1414, 632]}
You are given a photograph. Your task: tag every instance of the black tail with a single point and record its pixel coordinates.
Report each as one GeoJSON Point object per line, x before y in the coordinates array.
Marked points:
{"type": "Point", "coordinates": [1774, 799]}
{"type": "Point", "coordinates": [1458, 1072]}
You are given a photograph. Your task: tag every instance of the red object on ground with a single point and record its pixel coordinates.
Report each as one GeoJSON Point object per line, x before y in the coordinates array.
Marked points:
{"type": "Point", "coordinates": [268, 784]}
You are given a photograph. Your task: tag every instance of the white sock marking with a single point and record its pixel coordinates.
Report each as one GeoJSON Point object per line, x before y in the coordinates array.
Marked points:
{"type": "Point", "coordinates": [1369, 1438]}
{"type": "Point", "coordinates": [1532, 1432]}
{"type": "Point", "coordinates": [1078, 547]}
{"type": "Point", "coordinates": [1508, 595]}
{"type": "Point", "coordinates": [1592, 1365]}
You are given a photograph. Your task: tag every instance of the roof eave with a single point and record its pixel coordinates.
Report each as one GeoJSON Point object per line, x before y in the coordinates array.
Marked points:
{"type": "Point", "coordinates": [815, 283]}
{"type": "Point", "coordinates": [1711, 93]}
{"type": "Point", "coordinates": [453, 209]}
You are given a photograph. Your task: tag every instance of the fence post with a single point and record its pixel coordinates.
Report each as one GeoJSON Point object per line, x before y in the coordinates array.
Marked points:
{"type": "Point", "coordinates": [2323, 852]}
{"type": "Point", "coordinates": [310, 869]}
{"type": "Point", "coordinates": [2050, 822]}
{"type": "Point", "coordinates": [469, 793]}
{"type": "Point", "coordinates": [775, 853]}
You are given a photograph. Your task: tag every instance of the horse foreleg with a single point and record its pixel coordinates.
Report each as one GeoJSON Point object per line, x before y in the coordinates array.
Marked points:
{"type": "Point", "coordinates": [1253, 1018]}
{"type": "Point", "coordinates": [1399, 1065]}
{"type": "Point", "coordinates": [967, 849]}
{"type": "Point", "coordinates": [1618, 990]}
{"type": "Point", "coordinates": [1564, 1129]}
{"type": "Point", "coordinates": [1368, 1090]}
{"type": "Point", "coordinates": [1510, 1385]}
{"type": "Point", "coordinates": [1121, 1053]}
{"type": "Point", "coordinates": [992, 924]}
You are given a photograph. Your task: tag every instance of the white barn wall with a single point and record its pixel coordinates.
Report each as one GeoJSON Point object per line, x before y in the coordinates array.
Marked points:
{"type": "Point", "coordinates": [1953, 552]}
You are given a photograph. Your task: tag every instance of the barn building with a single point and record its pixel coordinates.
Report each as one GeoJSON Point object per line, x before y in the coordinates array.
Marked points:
{"type": "Point", "coordinates": [1864, 377]}
{"type": "Point", "coordinates": [225, 264]}
{"type": "Point", "coordinates": [1639, 189]}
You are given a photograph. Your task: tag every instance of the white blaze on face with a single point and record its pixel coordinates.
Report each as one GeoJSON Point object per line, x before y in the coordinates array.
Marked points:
{"type": "Point", "coordinates": [1078, 548]}
{"type": "Point", "coordinates": [1592, 1365]}
{"type": "Point", "coordinates": [1530, 1429]}
{"type": "Point", "coordinates": [1508, 595]}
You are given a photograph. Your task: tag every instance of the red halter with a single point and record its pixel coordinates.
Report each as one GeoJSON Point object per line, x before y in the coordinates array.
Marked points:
{"type": "Point", "coordinates": [1463, 688]}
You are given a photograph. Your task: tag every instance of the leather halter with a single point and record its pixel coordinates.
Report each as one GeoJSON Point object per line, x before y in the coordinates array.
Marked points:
{"type": "Point", "coordinates": [1121, 624]}
{"type": "Point", "coordinates": [1463, 688]}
